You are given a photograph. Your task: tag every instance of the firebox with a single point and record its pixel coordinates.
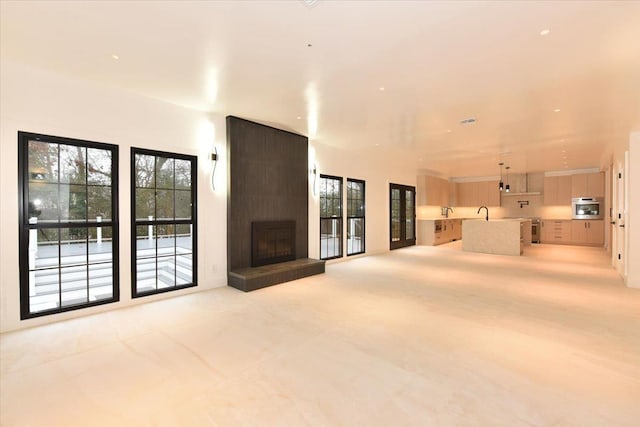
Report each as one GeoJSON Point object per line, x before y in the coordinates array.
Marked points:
{"type": "Point", "coordinates": [272, 242]}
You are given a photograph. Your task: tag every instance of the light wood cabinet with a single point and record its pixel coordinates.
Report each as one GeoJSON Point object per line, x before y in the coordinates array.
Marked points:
{"type": "Point", "coordinates": [596, 233]}
{"type": "Point", "coordinates": [467, 194]}
{"type": "Point", "coordinates": [579, 232]}
{"type": "Point", "coordinates": [436, 232]}
{"type": "Point", "coordinates": [483, 193]}
{"type": "Point", "coordinates": [492, 195]}
{"type": "Point", "coordinates": [557, 190]}
{"type": "Point", "coordinates": [564, 190]}
{"type": "Point", "coordinates": [432, 191]}
{"type": "Point", "coordinates": [451, 230]}
{"type": "Point", "coordinates": [447, 230]}
{"type": "Point", "coordinates": [488, 193]}
{"type": "Point", "coordinates": [555, 231]}
{"type": "Point", "coordinates": [587, 185]}
{"type": "Point", "coordinates": [595, 184]}
{"type": "Point", "coordinates": [478, 193]}
{"type": "Point", "coordinates": [587, 232]}
{"type": "Point", "coordinates": [579, 185]}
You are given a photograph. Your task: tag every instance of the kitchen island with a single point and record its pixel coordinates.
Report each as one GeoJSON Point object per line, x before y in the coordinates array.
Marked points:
{"type": "Point", "coordinates": [496, 236]}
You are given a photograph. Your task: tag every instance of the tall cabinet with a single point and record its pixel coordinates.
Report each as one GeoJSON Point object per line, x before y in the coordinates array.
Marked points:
{"type": "Point", "coordinates": [559, 190]}
{"type": "Point", "coordinates": [587, 185]}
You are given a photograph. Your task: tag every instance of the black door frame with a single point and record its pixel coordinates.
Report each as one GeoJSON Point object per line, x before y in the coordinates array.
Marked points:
{"type": "Point", "coordinates": [403, 242]}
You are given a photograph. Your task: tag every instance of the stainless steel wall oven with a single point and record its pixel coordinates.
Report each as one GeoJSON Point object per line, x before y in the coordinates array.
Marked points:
{"type": "Point", "coordinates": [587, 207]}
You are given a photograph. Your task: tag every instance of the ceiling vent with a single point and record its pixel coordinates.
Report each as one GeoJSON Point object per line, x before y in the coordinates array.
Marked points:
{"type": "Point", "coordinates": [468, 121]}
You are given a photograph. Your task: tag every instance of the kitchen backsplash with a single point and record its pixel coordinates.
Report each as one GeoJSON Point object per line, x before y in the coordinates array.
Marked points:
{"type": "Point", "coordinates": [510, 208]}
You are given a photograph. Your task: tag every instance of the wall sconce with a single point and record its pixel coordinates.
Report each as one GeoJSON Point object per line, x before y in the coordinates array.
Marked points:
{"type": "Point", "coordinates": [214, 160]}
{"type": "Point", "coordinates": [314, 172]}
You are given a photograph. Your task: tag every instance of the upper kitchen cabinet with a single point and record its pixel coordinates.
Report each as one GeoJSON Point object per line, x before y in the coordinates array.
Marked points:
{"type": "Point", "coordinates": [478, 193]}
{"type": "Point", "coordinates": [587, 185]}
{"type": "Point", "coordinates": [488, 193]}
{"type": "Point", "coordinates": [557, 190]}
{"type": "Point", "coordinates": [467, 194]}
{"type": "Point", "coordinates": [432, 191]}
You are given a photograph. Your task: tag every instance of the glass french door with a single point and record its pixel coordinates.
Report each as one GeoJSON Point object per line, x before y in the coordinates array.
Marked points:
{"type": "Point", "coordinates": [402, 216]}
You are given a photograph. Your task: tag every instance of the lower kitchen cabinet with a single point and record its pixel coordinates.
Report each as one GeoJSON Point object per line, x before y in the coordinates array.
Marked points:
{"type": "Point", "coordinates": [433, 232]}
{"type": "Point", "coordinates": [587, 232]}
{"type": "Point", "coordinates": [572, 232]}
{"type": "Point", "coordinates": [555, 231]}
{"type": "Point", "coordinates": [451, 230]}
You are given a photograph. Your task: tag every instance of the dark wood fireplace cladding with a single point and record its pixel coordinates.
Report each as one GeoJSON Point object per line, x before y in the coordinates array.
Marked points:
{"type": "Point", "coordinates": [267, 183]}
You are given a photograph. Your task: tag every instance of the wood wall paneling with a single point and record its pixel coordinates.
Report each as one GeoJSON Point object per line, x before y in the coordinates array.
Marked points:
{"type": "Point", "coordinates": [267, 180]}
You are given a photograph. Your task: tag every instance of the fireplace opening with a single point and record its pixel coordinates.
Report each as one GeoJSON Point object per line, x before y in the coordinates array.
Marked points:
{"type": "Point", "coordinates": [272, 242]}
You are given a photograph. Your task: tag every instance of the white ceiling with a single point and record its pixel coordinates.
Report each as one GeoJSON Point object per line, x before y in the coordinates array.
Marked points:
{"type": "Point", "coordinates": [438, 62]}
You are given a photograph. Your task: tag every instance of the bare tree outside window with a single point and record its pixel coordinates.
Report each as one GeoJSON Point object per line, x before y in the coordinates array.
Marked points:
{"type": "Point", "coordinates": [68, 227]}
{"type": "Point", "coordinates": [164, 223]}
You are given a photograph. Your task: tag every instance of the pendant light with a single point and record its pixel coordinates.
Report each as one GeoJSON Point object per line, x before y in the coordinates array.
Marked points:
{"type": "Point", "coordinates": [507, 188]}
{"type": "Point", "coordinates": [501, 185]}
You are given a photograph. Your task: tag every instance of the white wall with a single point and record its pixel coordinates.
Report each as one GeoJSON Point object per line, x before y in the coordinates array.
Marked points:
{"type": "Point", "coordinates": [378, 169]}
{"type": "Point", "coordinates": [38, 101]}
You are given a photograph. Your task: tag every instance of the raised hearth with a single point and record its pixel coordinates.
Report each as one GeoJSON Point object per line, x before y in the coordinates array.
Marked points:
{"type": "Point", "coordinates": [252, 278]}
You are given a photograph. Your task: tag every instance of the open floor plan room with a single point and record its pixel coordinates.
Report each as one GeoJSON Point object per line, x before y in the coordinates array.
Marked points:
{"type": "Point", "coordinates": [424, 336]}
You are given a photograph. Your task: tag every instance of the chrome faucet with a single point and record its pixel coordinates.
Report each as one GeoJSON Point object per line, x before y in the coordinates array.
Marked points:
{"type": "Point", "coordinates": [486, 218]}
{"type": "Point", "coordinates": [445, 211]}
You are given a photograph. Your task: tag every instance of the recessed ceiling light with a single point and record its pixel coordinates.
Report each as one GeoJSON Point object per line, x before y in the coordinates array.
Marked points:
{"type": "Point", "coordinates": [564, 151]}
{"type": "Point", "coordinates": [448, 130]}
{"type": "Point", "coordinates": [545, 32]}
{"type": "Point", "coordinates": [114, 56]}
{"type": "Point", "coordinates": [298, 117]}
{"type": "Point", "coordinates": [377, 145]}
{"type": "Point", "coordinates": [557, 110]}
{"type": "Point", "coordinates": [381, 89]}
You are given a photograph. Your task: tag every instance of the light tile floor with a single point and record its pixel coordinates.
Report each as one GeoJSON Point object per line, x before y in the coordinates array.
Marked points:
{"type": "Point", "coordinates": [418, 337]}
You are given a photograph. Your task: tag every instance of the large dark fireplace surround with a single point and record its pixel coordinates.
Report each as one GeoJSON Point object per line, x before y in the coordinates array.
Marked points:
{"type": "Point", "coordinates": [267, 206]}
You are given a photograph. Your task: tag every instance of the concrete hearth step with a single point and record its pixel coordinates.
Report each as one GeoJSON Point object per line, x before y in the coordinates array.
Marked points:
{"type": "Point", "coordinates": [252, 278]}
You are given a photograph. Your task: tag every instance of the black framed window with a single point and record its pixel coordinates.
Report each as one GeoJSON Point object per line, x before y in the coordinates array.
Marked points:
{"type": "Point", "coordinates": [164, 224]}
{"type": "Point", "coordinates": [330, 217]}
{"type": "Point", "coordinates": [355, 216]}
{"type": "Point", "coordinates": [402, 216]}
{"type": "Point", "coordinates": [68, 209]}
